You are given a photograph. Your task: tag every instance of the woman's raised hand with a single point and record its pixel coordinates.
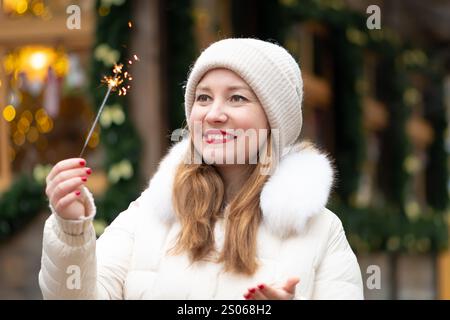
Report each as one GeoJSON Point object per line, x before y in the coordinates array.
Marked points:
{"type": "Point", "coordinates": [64, 188]}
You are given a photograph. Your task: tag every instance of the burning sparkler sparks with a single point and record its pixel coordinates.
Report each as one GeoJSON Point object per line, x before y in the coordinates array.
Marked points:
{"type": "Point", "coordinates": [116, 82]}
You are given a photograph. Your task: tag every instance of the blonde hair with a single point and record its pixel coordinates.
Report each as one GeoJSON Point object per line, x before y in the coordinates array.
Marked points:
{"type": "Point", "coordinates": [198, 194]}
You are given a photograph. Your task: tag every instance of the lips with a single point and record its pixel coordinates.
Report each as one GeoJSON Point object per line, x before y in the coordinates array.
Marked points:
{"type": "Point", "coordinates": [215, 136]}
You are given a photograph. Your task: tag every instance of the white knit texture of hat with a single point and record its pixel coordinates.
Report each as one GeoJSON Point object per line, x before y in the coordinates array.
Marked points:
{"type": "Point", "coordinates": [271, 72]}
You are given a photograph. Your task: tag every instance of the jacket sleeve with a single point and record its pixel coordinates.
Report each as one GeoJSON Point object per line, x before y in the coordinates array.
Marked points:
{"type": "Point", "coordinates": [338, 275]}
{"type": "Point", "coordinates": [75, 265]}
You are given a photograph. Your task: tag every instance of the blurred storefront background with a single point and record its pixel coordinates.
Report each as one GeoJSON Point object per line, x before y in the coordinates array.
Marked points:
{"type": "Point", "coordinates": [377, 98]}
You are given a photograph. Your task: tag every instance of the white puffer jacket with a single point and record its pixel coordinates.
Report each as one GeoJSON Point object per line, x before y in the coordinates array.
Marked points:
{"type": "Point", "coordinates": [129, 262]}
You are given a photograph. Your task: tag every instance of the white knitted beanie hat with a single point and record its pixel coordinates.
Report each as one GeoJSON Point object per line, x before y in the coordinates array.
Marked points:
{"type": "Point", "coordinates": [271, 72]}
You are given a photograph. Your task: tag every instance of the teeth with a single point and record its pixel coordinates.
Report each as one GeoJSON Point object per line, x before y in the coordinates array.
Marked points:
{"type": "Point", "coordinates": [219, 136]}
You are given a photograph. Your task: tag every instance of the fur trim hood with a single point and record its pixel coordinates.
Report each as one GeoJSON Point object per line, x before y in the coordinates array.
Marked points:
{"type": "Point", "coordinates": [297, 190]}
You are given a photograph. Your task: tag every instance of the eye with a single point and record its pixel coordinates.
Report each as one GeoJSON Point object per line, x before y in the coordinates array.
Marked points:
{"type": "Point", "coordinates": [238, 98]}
{"type": "Point", "coordinates": [202, 98]}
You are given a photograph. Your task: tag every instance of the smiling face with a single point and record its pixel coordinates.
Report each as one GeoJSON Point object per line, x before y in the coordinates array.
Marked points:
{"type": "Point", "coordinates": [227, 121]}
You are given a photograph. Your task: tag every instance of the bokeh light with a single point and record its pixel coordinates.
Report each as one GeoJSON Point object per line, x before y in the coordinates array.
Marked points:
{"type": "Point", "coordinates": [9, 113]}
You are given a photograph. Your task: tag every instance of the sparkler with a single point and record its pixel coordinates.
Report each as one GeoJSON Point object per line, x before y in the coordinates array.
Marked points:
{"type": "Point", "coordinates": [115, 83]}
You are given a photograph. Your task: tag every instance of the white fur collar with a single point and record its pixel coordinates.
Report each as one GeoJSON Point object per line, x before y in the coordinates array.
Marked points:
{"type": "Point", "coordinates": [297, 190]}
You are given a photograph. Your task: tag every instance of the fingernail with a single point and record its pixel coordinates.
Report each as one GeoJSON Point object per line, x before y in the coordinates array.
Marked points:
{"type": "Point", "coordinates": [252, 290]}
{"type": "Point", "coordinates": [82, 163]}
{"type": "Point", "coordinates": [77, 193]}
{"type": "Point", "coordinates": [88, 171]}
{"type": "Point", "coordinates": [246, 296]}
{"type": "Point", "coordinates": [84, 179]}
{"type": "Point", "coordinates": [261, 286]}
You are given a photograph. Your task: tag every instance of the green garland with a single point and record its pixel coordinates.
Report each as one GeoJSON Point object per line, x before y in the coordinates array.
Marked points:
{"type": "Point", "coordinates": [181, 50]}
{"type": "Point", "coordinates": [387, 228]}
{"type": "Point", "coordinates": [393, 176]}
{"type": "Point", "coordinates": [349, 136]}
{"type": "Point", "coordinates": [384, 229]}
{"type": "Point", "coordinates": [119, 139]}
{"type": "Point", "coordinates": [436, 168]}
{"type": "Point", "coordinates": [20, 204]}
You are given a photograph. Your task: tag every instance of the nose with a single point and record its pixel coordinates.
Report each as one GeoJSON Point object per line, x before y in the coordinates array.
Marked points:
{"type": "Point", "coordinates": [216, 113]}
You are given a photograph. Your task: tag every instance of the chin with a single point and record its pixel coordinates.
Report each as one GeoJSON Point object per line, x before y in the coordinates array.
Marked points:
{"type": "Point", "coordinates": [234, 152]}
{"type": "Point", "coordinates": [218, 154]}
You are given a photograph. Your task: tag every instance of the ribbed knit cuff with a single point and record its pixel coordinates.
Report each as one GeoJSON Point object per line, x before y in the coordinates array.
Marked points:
{"type": "Point", "coordinates": [79, 226]}
{"type": "Point", "coordinates": [73, 227]}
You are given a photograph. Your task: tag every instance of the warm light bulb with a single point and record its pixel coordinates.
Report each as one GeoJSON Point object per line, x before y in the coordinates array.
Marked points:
{"type": "Point", "coordinates": [38, 60]}
{"type": "Point", "coordinates": [21, 6]}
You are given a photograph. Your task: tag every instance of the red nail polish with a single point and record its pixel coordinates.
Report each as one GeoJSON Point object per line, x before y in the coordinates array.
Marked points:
{"type": "Point", "coordinates": [88, 171]}
{"type": "Point", "coordinates": [261, 286]}
{"type": "Point", "coordinates": [246, 296]}
{"type": "Point", "coordinates": [252, 290]}
{"type": "Point", "coordinates": [82, 163]}
{"type": "Point", "coordinates": [77, 193]}
{"type": "Point", "coordinates": [84, 179]}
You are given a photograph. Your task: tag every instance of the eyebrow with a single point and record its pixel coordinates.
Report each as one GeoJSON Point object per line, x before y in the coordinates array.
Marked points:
{"type": "Point", "coordinates": [230, 88]}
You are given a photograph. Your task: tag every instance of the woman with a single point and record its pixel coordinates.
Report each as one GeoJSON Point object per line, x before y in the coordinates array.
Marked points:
{"type": "Point", "coordinates": [236, 209]}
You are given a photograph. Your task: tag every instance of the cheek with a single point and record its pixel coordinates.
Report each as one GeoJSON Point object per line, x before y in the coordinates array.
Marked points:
{"type": "Point", "coordinates": [244, 119]}
{"type": "Point", "coordinates": [251, 118]}
{"type": "Point", "coordinates": [196, 120]}
{"type": "Point", "coordinates": [256, 119]}
{"type": "Point", "coordinates": [197, 114]}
